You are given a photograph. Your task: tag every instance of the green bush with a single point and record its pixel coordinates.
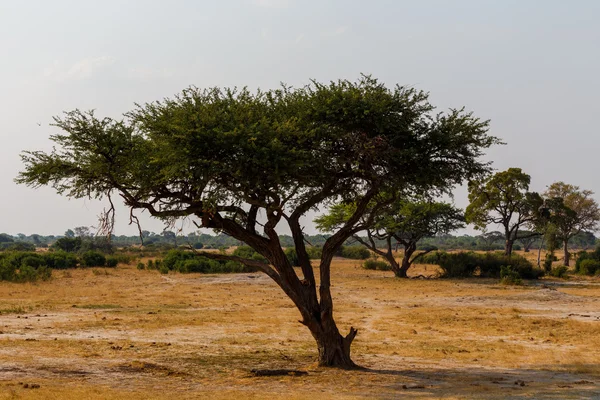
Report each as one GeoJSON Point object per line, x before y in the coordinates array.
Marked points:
{"type": "Point", "coordinates": [249, 253]}
{"type": "Point", "coordinates": [354, 252]}
{"type": "Point", "coordinates": [466, 264]}
{"type": "Point", "coordinates": [508, 276]}
{"type": "Point", "coordinates": [23, 267]}
{"type": "Point", "coordinates": [377, 265]}
{"type": "Point", "coordinates": [141, 266]}
{"type": "Point", "coordinates": [112, 261]}
{"type": "Point", "coordinates": [185, 262]}
{"type": "Point", "coordinates": [60, 260]}
{"type": "Point", "coordinates": [560, 272]}
{"type": "Point", "coordinates": [93, 258]}
{"type": "Point", "coordinates": [314, 253]}
{"type": "Point", "coordinates": [292, 256]}
{"type": "Point", "coordinates": [588, 266]}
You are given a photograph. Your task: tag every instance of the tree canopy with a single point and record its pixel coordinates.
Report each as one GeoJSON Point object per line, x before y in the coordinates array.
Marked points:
{"type": "Point", "coordinates": [402, 222]}
{"type": "Point", "coordinates": [502, 199]}
{"type": "Point", "coordinates": [241, 163]}
{"type": "Point", "coordinates": [573, 211]}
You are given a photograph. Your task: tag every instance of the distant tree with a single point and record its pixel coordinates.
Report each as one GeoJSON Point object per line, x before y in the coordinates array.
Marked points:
{"type": "Point", "coordinates": [224, 157]}
{"type": "Point", "coordinates": [527, 239]}
{"type": "Point", "coordinates": [170, 236]}
{"type": "Point", "coordinates": [402, 222]}
{"type": "Point", "coordinates": [69, 233]}
{"type": "Point", "coordinates": [577, 212]}
{"type": "Point", "coordinates": [502, 199]}
{"type": "Point", "coordinates": [83, 232]}
{"type": "Point", "coordinates": [488, 239]}
{"type": "Point", "coordinates": [6, 238]}
{"type": "Point", "coordinates": [69, 244]}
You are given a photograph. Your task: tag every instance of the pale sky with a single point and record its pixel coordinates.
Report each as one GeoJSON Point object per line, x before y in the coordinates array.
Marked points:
{"type": "Point", "coordinates": [531, 67]}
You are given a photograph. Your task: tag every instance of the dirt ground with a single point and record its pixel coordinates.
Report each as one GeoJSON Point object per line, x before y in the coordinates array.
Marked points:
{"type": "Point", "coordinates": [128, 334]}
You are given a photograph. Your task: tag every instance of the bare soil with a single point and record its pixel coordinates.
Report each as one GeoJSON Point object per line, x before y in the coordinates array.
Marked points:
{"type": "Point", "coordinates": [128, 334]}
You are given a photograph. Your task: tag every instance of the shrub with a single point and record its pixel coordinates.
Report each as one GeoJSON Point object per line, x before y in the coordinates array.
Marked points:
{"type": "Point", "coordinates": [198, 245]}
{"type": "Point", "coordinates": [354, 252]}
{"type": "Point", "coordinates": [314, 253]}
{"type": "Point", "coordinates": [112, 261]}
{"type": "Point", "coordinates": [23, 267]}
{"type": "Point", "coordinates": [465, 264]}
{"type": "Point", "coordinates": [17, 246]}
{"type": "Point", "coordinates": [141, 266]}
{"type": "Point", "coordinates": [377, 265]}
{"type": "Point", "coordinates": [249, 253]}
{"type": "Point", "coordinates": [508, 276]}
{"type": "Point", "coordinates": [93, 258]}
{"type": "Point", "coordinates": [292, 256]}
{"type": "Point", "coordinates": [185, 261]}
{"type": "Point", "coordinates": [588, 266]}
{"type": "Point", "coordinates": [60, 260]}
{"type": "Point", "coordinates": [559, 272]}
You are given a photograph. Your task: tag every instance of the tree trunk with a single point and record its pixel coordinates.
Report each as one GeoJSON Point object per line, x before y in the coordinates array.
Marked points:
{"type": "Point", "coordinates": [539, 258]}
{"type": "Point", "coordinates": [567, 255]}
{"type": "Point", "coordinates": [408, 252]}
{"type": "Point", "coordinates": [508, 246]}
{"type": "Point", "coordinates": [334, 349]}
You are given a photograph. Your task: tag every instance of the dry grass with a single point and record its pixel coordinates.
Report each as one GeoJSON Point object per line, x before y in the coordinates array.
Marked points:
{"type": "Point", "coordinates": [141, 335]}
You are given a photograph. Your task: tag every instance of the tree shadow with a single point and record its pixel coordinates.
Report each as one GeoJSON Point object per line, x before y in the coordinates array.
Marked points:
{"type": "Point", "coordinates": [574, 381]}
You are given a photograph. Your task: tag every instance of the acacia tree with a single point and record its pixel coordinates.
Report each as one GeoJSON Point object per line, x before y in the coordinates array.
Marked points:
{"type": "Point", "coordinates": [502, 199]}
{"type": "Point", "coordinates": [575, 211]}
{"type": "Point", "coordinates": [402, 222]}
{"type": "Point", "coordinates": [241, 163]}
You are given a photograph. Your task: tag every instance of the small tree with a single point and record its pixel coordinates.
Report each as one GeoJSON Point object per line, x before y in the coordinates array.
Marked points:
{"type": "Point", "coordinates": [402, 222]}
{"type": "Point", "coordinates": [502, 199]}
{"type": "Point", "coordinates": [224, 157]}
{"type": "Point", "coordinates": [574, 211]}
{"type": "Point", "coordinates": [489, 239]}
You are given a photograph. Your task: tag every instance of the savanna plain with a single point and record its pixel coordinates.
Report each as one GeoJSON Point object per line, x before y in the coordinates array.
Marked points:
{"type": "Point", "coordinates": [124, 333]}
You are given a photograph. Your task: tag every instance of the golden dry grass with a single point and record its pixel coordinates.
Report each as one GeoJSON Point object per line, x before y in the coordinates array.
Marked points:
{"type": "Point", "coordinates": [128, 334]}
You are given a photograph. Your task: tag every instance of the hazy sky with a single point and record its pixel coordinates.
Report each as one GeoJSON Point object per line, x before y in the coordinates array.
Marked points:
{"type": "Point", "coordinates": [531, 67]}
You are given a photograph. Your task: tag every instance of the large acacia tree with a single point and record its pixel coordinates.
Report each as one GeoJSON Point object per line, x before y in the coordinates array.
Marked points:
{"type": "Point", "coordinates": [403, 222]}
{"type": "Point", "coordinates": [503, 199]}
{"type": "Point", "coordinates": [243, 163]}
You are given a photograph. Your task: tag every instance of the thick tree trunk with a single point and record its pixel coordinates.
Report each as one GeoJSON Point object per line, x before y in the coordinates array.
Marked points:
{"type": "Point", "coordinates": [333, 348]}
{"type": "Point", "coordinates": [405, 265]}
{"type": "Point", "coordinates": [508, 247]}
{"type": "Point", "coordinates": [567, 255]}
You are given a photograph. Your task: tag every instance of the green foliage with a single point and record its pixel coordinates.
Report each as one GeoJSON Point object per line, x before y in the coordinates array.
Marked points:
{"type": "Point", "coordinates": [508, 276]}
{"type": "Point", "coordinates": [141, 266]}
{"type": "Point", "coordinates": [112, 261]}
{"type": "Point", "coordinates": [454, 265]}
{"type": "Point", "coordinates": [560, 271]}
{"type": "Point", "coordinates": [354, 252]}
{"type": "Point", "coordinates": [314, 252]}
{"type": "Point", "coordinates": [93, 259]}
{"type": "Point", "coordinates": [503, 199]}
{"type": "Point", "coordinates": [588, 267]}
{"type": "Point", "coordinates": [198, 246]}
{"type": "Point", "coordinates": [186, 262]}
{"type": "Point", "coordinates": [68, 244]}
{"type": "Point", "coordinates": [23, 267]}
{"type": "Point", "coordinates": [489, 265]}
{"type": "Point", "coordinates": [377, 265]}
{"type": "Point", "coordinates": [60, 260]}
{"type": "Point", "coordinates": [292, 256]}
{"type": "Point", "coordinates": [16, 246]}
{"type": "Point", "coordinates": [248, 253]}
